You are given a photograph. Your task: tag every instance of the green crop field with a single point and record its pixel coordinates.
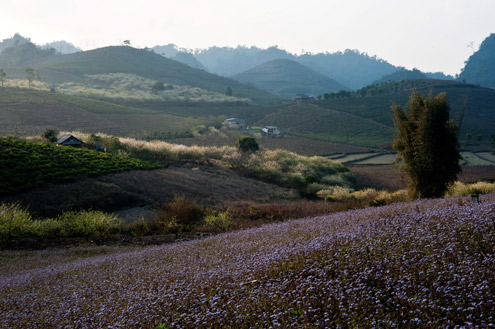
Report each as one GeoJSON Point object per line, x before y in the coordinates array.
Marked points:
{"type": "Point", "coordinates": [25, 164]}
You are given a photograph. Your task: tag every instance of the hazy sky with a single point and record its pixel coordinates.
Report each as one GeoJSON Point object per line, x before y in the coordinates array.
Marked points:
{"type": "Point", "coordinates": [431, 35]}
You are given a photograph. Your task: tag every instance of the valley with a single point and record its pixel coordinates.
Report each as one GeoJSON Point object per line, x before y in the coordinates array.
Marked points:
{"type": "Point", "coordinates": [236, 187]}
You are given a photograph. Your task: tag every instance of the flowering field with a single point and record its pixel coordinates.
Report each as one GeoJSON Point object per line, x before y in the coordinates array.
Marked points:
{"type": "Point", "coordinates": [426, 264]}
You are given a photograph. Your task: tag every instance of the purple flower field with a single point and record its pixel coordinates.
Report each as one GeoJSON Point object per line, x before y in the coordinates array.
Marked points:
{"type": "Point", "coordinates": [426, 264]}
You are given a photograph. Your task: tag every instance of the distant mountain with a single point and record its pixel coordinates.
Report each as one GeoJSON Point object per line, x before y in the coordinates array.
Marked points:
{"type": "Point", "coordinates": [16, 40]}
{"type": "Point", "coordinates": [403, 74]}
{"type": "Point", "coordinates": [180, 55]}
{"type": "Point", "coordinates": [227, 61]}
{"type": "Point", "coordinates": [438, 76]}
{"type": "Point", "coordinates": [24, 54]}
{"type": "Point", "coordinates": [144, 63]}
{"type": "Point", "coordinates": [350, 68]}
{"type": "Point", "coordinates": [480, 67]}
{"type": "Point", "coordinates": [287, 78]}
{"type": "Point", "coordinates": [62, 47]}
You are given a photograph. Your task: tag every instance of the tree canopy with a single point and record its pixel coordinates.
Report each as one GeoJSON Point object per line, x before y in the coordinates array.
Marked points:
{"type": "Point", "coordinates": [247, 144]}
{"type": "Point", "coordinates": [2, 76]}
{"type": "Point", "coordinates": [427, 143]}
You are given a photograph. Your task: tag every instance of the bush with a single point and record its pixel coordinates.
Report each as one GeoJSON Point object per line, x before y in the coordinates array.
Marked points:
{"type": "Point", "coordinates": [220, 221]}
{"type": "Point", "coordinates": [91, 225]}
{"type": "Point", "coordinates": [179, 214]}
{"type": "Point", "coordinates": [460, 189]}
{"type": "Point", "coordinates": [50, 135]}
{"type": "Point", "coordinates": [15, 223]}
{"type": "Point", "coordinates": [247, 144]}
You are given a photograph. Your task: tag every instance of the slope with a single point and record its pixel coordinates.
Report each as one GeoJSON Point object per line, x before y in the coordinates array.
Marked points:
{"type": "Point", "coordinates": [316, 122]}
{"type": "Point", "coordinates": [147, 64]}
{"type": "Point", "coordinates": [374, 102]}
{"type": "Point", "coordinates": [350, 68]}
{"type": "Point", "coordinates": [480, 67]}
{"type": "Point", "coordinates": [30, 112]}
{"type": "Point", "coordinates": [287, 78]}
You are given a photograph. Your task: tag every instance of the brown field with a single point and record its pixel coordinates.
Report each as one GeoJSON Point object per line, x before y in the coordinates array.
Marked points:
{"type": "Point", "coordinates": [210, 186]}
{"type": "Point", "coordinates": [32, 119]}
{"type": "Point", "coordinates": [389, 177]}
{"type": "Point", "coordinates": [300, 145]}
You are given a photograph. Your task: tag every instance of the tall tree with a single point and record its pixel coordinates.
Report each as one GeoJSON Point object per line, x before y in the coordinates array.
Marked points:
{"type": "Point", "coordinates": [30, 75]}
{"type": "Point", "coordinates": [427, 143]}
{"type": "Point", "coordinates": [2, 76]}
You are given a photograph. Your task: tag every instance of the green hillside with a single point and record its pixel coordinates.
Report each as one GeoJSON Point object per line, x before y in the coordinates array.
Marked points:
{"type": "Point", "coordinates": [374, 102]}
{"type": "Point", "coordinates": [30, 112]}
{"type": "Point", "coordinates": [147, 64]}
{"type": "Point", "coordinates": [403, 75]}
{"type": "Point", "coordinates": [28, 164]}
{"type": "Point", "coordinates": [316, 122]}
{"type": "Point", "coordinates": [287, 78]}
{"type": "Point", "coordinates": [480, 67]}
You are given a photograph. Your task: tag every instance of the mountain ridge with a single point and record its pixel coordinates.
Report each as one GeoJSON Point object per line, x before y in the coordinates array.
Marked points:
{"type": "Point", "coordinates": [287, 77]}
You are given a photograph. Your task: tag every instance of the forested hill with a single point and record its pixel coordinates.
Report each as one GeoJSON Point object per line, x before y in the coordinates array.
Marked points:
{"type": "Point", "coordinates": [56, 68]}
{"type": "Point", "coordinates": [471, 106]}
{"type": "Point", "coordinates": [350, 68]}
{"type": "Point", "coordinates": [287, 78]}
{"type": "Point", "coordinates": [480, 67]}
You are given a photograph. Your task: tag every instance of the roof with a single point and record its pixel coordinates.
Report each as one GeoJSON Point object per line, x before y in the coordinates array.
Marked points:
{"type": "Point", "coordinates": [234, 120]}
{"type": "Point", "coordinates": [69, 139]}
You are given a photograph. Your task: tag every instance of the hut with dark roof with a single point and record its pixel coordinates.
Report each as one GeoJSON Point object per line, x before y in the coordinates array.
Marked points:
{"type": "Point", "coordinates": [69, 140]}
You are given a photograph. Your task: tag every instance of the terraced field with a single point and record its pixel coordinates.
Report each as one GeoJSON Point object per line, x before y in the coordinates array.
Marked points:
{"type": "Point", "coordinates": [28, 164]}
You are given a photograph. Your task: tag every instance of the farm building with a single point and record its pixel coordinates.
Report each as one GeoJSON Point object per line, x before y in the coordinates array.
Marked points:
{"type": "Point", "coordinates": [303, 98]}
{"type": "Point", "coordinates": [69, 140]}
{"type": "Point", "coordinates": [271, 131]}
{"type": "Point", "coordinates": [235, 123]}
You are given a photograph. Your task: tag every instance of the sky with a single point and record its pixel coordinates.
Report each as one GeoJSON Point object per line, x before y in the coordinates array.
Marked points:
{"type": "Point", "coordinates": [430, 35]}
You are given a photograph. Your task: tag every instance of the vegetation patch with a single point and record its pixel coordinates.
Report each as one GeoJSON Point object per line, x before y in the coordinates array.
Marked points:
{"type": "Point", "coordinates": [422, 265]}
{"type": "Point", "coordinates": [26, 164]}
{"type": "Point", "coordinates": [18, 228]}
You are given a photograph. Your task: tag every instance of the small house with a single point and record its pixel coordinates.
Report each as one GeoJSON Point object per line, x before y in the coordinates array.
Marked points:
{"type": "Point", "coordinates": [235, 123]}
{"type": "Point", "coordinates": [69, 140]}
{"type": "Point", "coordinates": [271, 130]}
{"type": "Point", "coordinates": [303, 98]}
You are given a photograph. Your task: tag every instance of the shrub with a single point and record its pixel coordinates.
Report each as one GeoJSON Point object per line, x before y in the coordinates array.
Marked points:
{"type": "Point", "coordinates": [91, 225]}
{"type": "Point", "coordinates": [247, 144]}
{"type": "Point", "coordinates": [50, 135]}
{"type": "Point", "coordinates": [15, 223]}
{"type": "Point", "coordinates": [221, 221]}
{"type": "Point", "coordinates": [460, 189]}
{"type": "Point", "coordinates": [181, 213]}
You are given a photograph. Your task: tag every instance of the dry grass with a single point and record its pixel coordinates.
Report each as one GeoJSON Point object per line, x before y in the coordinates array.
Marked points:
{"type": "Point", "coordinates": [390, 177]}
{"type": "Point", "coordinates": [211, 186]}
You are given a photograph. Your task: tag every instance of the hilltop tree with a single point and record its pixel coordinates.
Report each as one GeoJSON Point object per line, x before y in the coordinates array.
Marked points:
{"type": "Point", "coordinates": [427, 143]}
{"type": "Point", "coordinates": [2, 76]}
{"type": "Point", "coordinates": [229, 91]}
{"type": "Point", "coordinates": [30, 75]}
